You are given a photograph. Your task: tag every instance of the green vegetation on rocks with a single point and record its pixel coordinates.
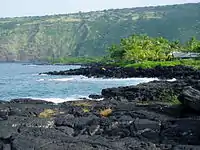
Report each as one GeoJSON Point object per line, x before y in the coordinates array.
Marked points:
{"type": "Point", "coordinates": [152, 64]}
{"type": "Point", "coordinates": [138, 48]}
{"type": "Point", "coordinates": [147, 52]}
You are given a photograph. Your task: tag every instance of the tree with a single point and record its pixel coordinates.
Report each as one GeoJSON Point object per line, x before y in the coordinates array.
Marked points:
{"type": "Point", "coordinates": [193, 45]}
{"type": "Point", "coordinates": [141, 48]}
{"type": "Point", "coordinates": [116, 52]}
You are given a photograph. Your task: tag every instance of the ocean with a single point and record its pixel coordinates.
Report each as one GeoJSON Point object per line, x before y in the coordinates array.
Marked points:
{"type": "Point", "coordinates": [23, 81]}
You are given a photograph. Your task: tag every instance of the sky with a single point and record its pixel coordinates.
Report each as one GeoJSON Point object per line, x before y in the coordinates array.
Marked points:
{"type": "Point", "coordinates": [16, 8]}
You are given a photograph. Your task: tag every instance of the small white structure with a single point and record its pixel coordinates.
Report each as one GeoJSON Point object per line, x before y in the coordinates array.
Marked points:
{"type": "Point", "coordinates": [185, 55]}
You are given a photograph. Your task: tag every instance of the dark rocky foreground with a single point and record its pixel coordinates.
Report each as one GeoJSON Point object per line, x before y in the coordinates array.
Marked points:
{"type": "Point", "coordinates": [178, 72]}
{"type": "Point", "coordinates": [143, 117]}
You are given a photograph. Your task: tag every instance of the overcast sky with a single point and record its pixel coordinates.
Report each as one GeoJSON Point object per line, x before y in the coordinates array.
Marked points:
{"type": "Point", "coordinates": [11, 8]}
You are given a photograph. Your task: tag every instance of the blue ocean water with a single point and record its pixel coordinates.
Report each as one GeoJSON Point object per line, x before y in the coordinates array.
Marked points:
{"type": "Point", "coordinates": [23, 81]}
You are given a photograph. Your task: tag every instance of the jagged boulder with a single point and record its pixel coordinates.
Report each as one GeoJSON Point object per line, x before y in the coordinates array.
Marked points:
{"type": "Point", "coordinates": [152, 91]}
{"type": "Point", "coordinates": [29, 101]}
{"type": "Point", "coordinates": [190, 98]}
{"type": "Point", "coordinates": [94, 96]}
{"type": "Point", "coordinates": [4, 112]}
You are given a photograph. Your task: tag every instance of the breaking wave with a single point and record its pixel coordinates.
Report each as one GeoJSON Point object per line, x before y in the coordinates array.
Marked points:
{"type": "Point", "coordinates": [83, 78]}
{"type": "Point", "coordinates": [68, 99]}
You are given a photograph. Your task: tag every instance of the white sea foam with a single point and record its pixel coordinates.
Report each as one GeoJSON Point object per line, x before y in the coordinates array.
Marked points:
{"type": "Point", "coordinates": [121, 79]}
{"type": "Point", "coordinates": [61, 100]}
{"type": "Point", "coordinates": [86, 79]}
{"type": "Point", "coordinates": [57, 100]}
{"type": "Point", "coordinates": [32, 65]}
{"type": "Point", "coordinates": [61, 79]}
{"type": "Point", "coordinates": [39, 80]}
{"type": "Point", "coordinates": [58, 79]}
{"type": "Point", "coordinates": [43, 75]}
{"type": "Point", "coordinates": [171, 80]}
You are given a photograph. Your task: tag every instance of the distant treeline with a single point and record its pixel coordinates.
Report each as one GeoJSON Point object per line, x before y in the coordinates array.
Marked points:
{"type": "Point", "coordinates": [89, 34]}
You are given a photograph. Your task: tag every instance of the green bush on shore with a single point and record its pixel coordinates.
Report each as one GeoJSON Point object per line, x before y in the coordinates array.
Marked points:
{"type": "Point", "coordinates": [152, 64]}
{"type": "Point", "coordinates": [141, 51]}
{"type": "Point", "coordinates": [147, 52]}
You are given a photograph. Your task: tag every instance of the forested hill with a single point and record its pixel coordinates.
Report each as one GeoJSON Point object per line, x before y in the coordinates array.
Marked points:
{"type": "Point", "coordinates": [89, 34]}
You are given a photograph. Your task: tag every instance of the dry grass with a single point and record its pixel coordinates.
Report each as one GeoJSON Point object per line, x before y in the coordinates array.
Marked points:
{"type": "Point", "coordinates": [82, 104]}
{"type": "Point", "coordinates": [106, 112]}
{"type": "Point", "coordinates": [47, 113]}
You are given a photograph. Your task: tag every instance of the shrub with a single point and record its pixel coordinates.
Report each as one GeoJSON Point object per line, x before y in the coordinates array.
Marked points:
{"type": "Point", "coordinates": [86, 110]}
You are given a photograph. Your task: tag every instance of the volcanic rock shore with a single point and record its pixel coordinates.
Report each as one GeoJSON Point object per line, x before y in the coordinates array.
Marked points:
{"type": "Point", "coordinates": [159, 115]}
{"type": "Point", "coordinates": [178, 72]}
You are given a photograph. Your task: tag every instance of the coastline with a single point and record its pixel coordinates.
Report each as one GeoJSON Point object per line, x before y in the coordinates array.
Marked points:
{"type": "Point", "coordinates": [154, 115]}
{"type": "Point", "coordinates": [102, 71]}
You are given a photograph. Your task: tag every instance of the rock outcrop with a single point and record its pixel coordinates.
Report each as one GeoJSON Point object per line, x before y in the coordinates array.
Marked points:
{"type": "Point", "coordinates": [133, 117]}
{"type": "Point", "coordinates": [178, 72]}
{"type": "Point", "coordinates": [190, 97]}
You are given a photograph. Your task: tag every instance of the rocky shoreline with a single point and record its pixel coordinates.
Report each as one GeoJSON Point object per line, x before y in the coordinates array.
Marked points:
{"type": "Point", "coordinates": [159, 115]}
{"type": "Point", "coordinates": [102, 71]}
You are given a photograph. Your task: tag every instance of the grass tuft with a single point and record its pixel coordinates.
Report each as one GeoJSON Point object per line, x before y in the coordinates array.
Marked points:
{"type": "Point", "coordinates": [153, 64]}
{"type": "Point", "coordinates": [106, 112]}
{"type": "Point", "coordinates": [86, 110]}
{"type": "Point", "coordinates": [175, 101]}
{"type": "Point", "coordinates": [47, 113]}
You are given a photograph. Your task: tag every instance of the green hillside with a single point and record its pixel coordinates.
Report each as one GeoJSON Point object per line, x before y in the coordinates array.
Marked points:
{"type": "Point", "coordinates": [89, 34]}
